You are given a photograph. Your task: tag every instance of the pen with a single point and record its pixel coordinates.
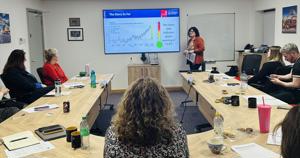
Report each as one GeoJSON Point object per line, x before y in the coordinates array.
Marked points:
{"type": "Point", "coordinates": [41, 108]}
{"type": "Point", "coordinates": [18, 139]}
{"type": "Point", "coordinates": [284, 108]}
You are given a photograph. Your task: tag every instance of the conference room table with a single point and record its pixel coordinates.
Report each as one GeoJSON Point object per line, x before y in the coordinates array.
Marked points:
{"type": "Point", "coordinates": [235, 117]}
{"type": "Point", "coordinates": [88, 101]}
{"type": "Point", "coordinates": [85, 101]}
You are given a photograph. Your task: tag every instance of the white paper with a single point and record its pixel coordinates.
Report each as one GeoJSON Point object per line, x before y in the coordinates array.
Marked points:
{"type": "Point", "coordinates": [43, 146]}
{"type": "Point", "coordinates": [253, 150]}
{"type": "Point", "coordinates": [31, 110]}
{"type": "Point", "coordinates": [191, 57]}
{"type": "Point", "coordinates": [73, 84]}
{"type": "Point", "coordinates": [275, 139]}
{"type": "Point", "coordinates": [269, 100]}
{"type": "Point", "coordinates": [79, 78]}
{"type": "Point", "coordinates": [64, 93]}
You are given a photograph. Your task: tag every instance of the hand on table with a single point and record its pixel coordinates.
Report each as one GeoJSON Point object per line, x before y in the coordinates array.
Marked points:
{"type": "Point", "coordinates": [4, 91]}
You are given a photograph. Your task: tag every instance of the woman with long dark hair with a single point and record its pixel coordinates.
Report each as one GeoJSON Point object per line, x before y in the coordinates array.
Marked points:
{"type": "Point", "coordinates": [290, 143]}
{"type": "Point", "coordinates": [144, 125]}
{"type": "Point", "coordinates": [195, 45]}
{"type": "Point", "coordinates": [22, 85]}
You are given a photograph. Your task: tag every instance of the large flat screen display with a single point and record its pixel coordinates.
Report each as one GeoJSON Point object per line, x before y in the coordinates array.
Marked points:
{"type": "Point", "coordinates": [141, 30]}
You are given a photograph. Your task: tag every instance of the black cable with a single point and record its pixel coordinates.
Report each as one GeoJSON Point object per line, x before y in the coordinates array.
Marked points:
{"type": "Point", "coordinates": [187, 96]}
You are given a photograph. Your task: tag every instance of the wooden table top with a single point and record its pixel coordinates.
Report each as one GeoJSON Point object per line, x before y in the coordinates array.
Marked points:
{"type": "Point", "coordinates": [81, 100]}
{"type": "Point", "coordinates": [234, 117]}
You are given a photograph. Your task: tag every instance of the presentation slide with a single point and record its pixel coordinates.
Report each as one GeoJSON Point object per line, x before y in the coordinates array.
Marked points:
{"type": "Point", "coordinates": [141, 30]}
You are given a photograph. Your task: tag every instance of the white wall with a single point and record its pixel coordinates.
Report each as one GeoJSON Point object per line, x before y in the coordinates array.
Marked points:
{"type": "Point", "coordinates": [280, 38]}
{"type": "Point", "coordinates": [18, 26]}
{"type": "Point", "coordinates": [73, 55]}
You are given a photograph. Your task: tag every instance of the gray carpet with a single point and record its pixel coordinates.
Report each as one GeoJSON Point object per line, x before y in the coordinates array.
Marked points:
{"type": "Point", "coordinates": [191, 119]}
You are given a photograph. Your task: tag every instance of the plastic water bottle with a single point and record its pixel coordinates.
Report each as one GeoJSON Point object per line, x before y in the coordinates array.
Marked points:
{"type": "Point", "coordinates": [218, 125]}
{"type": "Point", "coordinates": [84, 133]}
{"type": "Point", "coordinates": [244, 82]}
{"type": "Point", "coordinates": [87, 70]}
{"type": "Point", "coordinates": [93, 79]}
{"type": "Point", "coordinates": [57, 84]}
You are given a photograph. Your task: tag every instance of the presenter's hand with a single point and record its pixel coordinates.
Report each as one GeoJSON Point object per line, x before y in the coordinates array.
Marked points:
{"type": "Point", "coordinates": [185, 52]}
{"type": "Point", "coordinates": [191, 51]}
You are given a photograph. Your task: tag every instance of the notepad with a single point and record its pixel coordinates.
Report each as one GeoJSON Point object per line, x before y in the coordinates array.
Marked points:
{"type": "Point", "coordinates": [275, 138]}
{"type": "Point", "coordinates": [39, 108]}
{"type": "Point", "coordinates": [64, 93]}
{"type": "Point", "coordinates": [253, 150]}
{"type": "Point", "coordinates": [268, 100]}
{"type": "Point", "coordinates": [20, 140]}
{"type": "Point", "coordinates": [18, 153]}
{"type": "Point", "coordinates": [73, 84]}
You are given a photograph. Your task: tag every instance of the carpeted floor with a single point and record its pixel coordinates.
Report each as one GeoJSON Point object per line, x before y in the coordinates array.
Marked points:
{"type": "Point", "coordinates": [191, 119]}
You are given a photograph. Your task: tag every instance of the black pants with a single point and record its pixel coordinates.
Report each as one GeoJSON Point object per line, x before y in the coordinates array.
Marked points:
{"type": "Point", "coordinates": [193, 66]}
{"type": "Point", "coordinates": [289, 96]}
{"type": "Point", "coordinates": [33, 96]}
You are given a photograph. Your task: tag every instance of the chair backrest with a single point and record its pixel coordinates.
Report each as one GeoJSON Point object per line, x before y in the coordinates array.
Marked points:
{"type": "Point", "coordinates": [251, 64]}
{"type": "Point", "coordinates": [40, 73]}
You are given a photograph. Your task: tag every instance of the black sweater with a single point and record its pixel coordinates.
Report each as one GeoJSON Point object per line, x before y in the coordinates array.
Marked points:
{"type": "Point", "coordinates": [19, 82]}
{"type": "Point", "coordinates": [266, 70]}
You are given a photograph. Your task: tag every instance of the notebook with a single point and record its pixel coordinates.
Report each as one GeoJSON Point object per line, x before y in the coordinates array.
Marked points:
{"type": "Point", "coordinates": [20, 140]}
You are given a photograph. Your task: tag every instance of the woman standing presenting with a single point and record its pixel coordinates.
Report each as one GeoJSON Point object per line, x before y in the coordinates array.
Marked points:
{"type": "Point", "coordinates": [195, 45]}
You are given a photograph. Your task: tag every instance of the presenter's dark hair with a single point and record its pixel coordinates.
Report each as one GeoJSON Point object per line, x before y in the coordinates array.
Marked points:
{"type": "Point", "coordinates": [290, 143]}
{"type": "Point", "coordinates": [16, 59]}
{"type": "Point", "coordinates": [195, 30]}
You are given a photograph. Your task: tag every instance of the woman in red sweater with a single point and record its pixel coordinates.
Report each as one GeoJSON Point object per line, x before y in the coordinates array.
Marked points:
{"type": "Point", "coordinates": [51, 70]}
{"type": "Point", "coordinates": [196, 46]}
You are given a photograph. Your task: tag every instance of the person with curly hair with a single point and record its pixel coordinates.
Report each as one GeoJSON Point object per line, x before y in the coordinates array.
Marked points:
{"type": "Point", "coordinates": [144, 125]}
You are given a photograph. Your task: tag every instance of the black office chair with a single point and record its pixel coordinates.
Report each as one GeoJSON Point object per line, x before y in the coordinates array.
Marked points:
{"type": "Point", "coordinates": [251, 64]}
{"type": "Point", "coordinates": [40, 73]}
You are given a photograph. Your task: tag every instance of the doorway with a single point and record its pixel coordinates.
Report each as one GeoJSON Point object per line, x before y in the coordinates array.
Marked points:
{"type": "Point", "coordinates": [269, 27]}
{"type": "Point", "coordinates": [36, 40]}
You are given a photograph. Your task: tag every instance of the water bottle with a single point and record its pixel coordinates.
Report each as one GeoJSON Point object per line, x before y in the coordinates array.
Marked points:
{"type": "Point", "coordinates": [84, 133]}
{"type": "Point", "coordinates": [244, 82]}
{"type": "Point", "coordinates": [93, 79]}
{"type": "Point", "coordinates": [87, 70]}
{"type": "Point", "coordinates": [57, 84]}
{"type": "Point", "coordinates": [218, 125]}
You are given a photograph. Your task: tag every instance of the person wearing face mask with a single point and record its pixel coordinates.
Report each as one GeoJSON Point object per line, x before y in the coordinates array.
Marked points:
{"type": "Point", "coordinates": [196, 46]}
{"type": "Point", "coordinates": [51, 69]}
{"type": "Point", "coordinates": [290, 83]}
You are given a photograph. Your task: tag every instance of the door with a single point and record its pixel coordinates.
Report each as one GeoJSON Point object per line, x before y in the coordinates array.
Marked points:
{"type": "Point", "coordinates": [36, 40]}
{"type": "Point", "coordinates": [269, 27]}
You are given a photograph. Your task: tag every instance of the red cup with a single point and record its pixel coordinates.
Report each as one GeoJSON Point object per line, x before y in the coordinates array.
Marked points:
{"type": "Point", "coordinates": [264, 115]}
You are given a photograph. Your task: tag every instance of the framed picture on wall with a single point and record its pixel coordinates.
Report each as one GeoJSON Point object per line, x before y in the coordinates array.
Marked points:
{"type": "Point", "coordinates": [289, 19]}
{"type": "Point", "coordinates": [74, 22]}
{"type": "Point", "coordinates": [5, 36]}
{"type": "Point", "coordinates": [75, 34]}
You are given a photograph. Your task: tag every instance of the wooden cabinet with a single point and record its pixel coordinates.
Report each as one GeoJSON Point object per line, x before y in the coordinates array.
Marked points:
{"type": "Point", "coordinates": [137, 71]}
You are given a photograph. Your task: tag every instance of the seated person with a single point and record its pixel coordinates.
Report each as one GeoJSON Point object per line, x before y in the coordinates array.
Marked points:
{"type": "Point", "coordinates": [22, 85]}
{"type": "Point", "coordinates": [290, 83]}
{"type": "Point", "coordinates": [274, 63]}
{"type": "Point", "coordinates": [144, 125]}
{"type": "Point", "coordinates": [290, 143]}
{"type": "Point", "coordinates": [5, 111]}
{"type": "Point", "coordinates": [51, 69]}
